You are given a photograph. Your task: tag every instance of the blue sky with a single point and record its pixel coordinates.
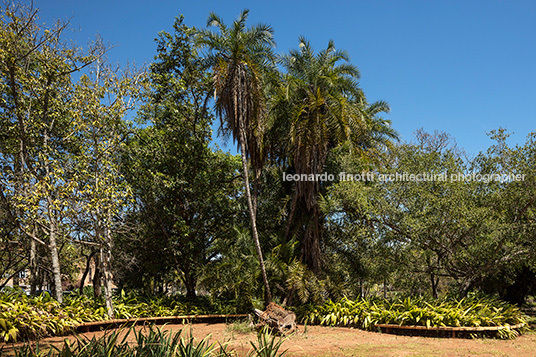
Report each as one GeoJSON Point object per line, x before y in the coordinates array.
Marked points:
{"type": "Point", "coordinates": [464, 67]}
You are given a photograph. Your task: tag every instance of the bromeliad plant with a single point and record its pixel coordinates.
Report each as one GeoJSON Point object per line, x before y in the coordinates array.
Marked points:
{"type": "Point", "coordinates": [367, 313]}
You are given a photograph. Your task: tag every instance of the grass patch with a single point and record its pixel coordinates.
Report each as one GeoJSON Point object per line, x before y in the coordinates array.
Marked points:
{"type": "Point", "coordinates": [240, 327]}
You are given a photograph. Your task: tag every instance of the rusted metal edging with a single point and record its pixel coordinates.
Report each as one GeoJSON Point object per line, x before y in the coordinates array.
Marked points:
{"type": "Point", "coordinates": [388, 328]}
{"type": "Point", "coordinates": [105, 324]}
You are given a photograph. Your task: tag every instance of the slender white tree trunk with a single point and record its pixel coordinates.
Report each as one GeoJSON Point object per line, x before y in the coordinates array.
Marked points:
{"type": "Point", "coordinates": [107, 275]}
{"type": "Point", "coordinates": [106, 258]}
{"type": "Point", "coordinates": [56, 270]}
{"type": "Point", "coordinates": [33, 267]}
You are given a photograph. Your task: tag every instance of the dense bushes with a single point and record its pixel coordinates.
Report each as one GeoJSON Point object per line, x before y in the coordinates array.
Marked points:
{"type": "Point", "coordinates": [24, 317]}
{"type": "Point", "coordinates": [366, 314]}
{"type": "Point", "coordinates": [31, 317]}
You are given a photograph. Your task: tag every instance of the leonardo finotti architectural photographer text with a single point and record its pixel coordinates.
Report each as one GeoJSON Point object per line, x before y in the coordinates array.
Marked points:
{"type": "Point", "coordinates": [406, 177]}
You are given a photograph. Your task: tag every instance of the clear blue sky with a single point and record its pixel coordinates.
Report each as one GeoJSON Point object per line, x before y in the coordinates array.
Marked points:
{"type": "Point", "coordinates": [464, 67]}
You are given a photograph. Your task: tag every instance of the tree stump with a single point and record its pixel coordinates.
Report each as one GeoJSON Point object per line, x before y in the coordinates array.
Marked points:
{"type": "Point", "coordinates": [277, 318]}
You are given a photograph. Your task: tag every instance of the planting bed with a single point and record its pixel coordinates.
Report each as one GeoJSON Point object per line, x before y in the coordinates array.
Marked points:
{"type": "Point", "coordinates": [338, 341]}
{"type": "Point", "coordinates": [445, 331]}
{"type": "Point", "coordinates": [104, 325]}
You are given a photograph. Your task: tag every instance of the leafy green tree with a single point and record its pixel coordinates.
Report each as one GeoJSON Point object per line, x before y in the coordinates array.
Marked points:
{"type": "Point", "coordinates": [36, 88]}
{"type": "Point", "coordinates": [101, 102]}
{"type": "Point", "coordinates": [440, 231]}
{"type": "Point", "coordinates": [514, 202]}
{"type": "Point", "coordinates": [185, 191]}
{"type": "Point", "coordinates": [61, 140]}
{"type": "Point", "coordinates": [234, 274]}
{"type": "Point", "coordinates": [239, 56]}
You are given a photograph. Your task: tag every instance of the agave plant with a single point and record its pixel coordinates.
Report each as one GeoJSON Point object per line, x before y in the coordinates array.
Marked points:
{"type": "Point", "coordinates": [268, 344]}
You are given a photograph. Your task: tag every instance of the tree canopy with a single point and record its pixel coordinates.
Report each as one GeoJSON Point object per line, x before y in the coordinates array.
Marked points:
{"type": "Point", "coordinates": [113, 174]}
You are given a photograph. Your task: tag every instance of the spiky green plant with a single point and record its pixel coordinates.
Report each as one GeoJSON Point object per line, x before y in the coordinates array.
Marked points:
{"type": "Point", "coordinates": [150, 342]}
{"type": "Point", "coordinates": [268, 344]}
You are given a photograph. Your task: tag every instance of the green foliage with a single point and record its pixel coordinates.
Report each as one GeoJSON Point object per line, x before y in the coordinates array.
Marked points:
{"type": "Point", "coordinates": [471, 311]}
{"type": "Point", "coordinates": [23, 317]}
{"type": "Point", "coordinates": [235, 275]}
{"type": "Point", "coordinates": [321, 106]}
{"type": "Point", "coordinates": [32, 317]}
{"type": "Point", "coordinates": [268, 344]}
{"type": "Point", "coordinates": [184, 189]}
{"type": "Point", "coordinates": [169, 207]}
{"type": "Point", "coordinates": [154, 342]}
{"type": "Point", "coordinates": [437, 234]}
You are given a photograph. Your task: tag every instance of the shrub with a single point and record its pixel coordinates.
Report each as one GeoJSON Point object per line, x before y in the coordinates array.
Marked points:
{"type": "Point", "coordinates": [367, 313]}
{"type": "Point", "coordinates": [25, 317]}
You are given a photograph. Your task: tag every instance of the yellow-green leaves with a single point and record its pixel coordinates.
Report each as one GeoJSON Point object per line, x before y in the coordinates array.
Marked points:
{"type": "Point", "coordinates": [467, 312]}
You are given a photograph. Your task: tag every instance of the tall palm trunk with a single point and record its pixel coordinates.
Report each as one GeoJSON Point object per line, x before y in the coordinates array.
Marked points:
{"type": "Point", "coordinates": [311, 248]}
{"type": "Point", "coordinates": [252, 215]}
{"type": "Point", "coordinates": [241, 56]}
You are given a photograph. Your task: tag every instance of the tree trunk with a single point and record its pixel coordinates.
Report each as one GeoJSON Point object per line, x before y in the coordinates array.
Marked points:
{"type": "Point", "coordinates": [16, 279]}
{"type": "Point", "coordinates": [51, 212]}
{"type": "Point", "coordinates": [434, 282]}
{"type": "Point", "coordinates": [268, 294]}
{"type": "Point", "coordinates": [86, 272]}
{"type": "Point", "coordinates": [34, 272]}
{"type": "Point", "coordinates": [190, 282]}
{"type": "Point", "coordinates": [56, 270]}
{"type": "Point", "coordinates": [291, 215]}
{"type": "Point", "coordinates": [107, 267]}
{"type": "Point", "coordinates": [311, 252]}
{"type": "Point", "coordinates": [97, 278]}
{"type": "Point", "coordinates": [467, 285]}
{"type": "Point", "coordinates": [106, 254]}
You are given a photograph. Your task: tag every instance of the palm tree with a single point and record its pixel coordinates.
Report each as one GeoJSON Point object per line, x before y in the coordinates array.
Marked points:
{"type": "Point", "coordinates": [238, 56]}
{"type": "Point", "coordinates": [322, 105]}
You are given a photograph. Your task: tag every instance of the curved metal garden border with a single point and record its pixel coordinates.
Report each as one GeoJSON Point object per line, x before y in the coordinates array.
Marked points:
{"type": "Point", "coordinates": [387, 328]}
{"type": "Point", "coordinates": [445, 330]}
{"type": "Point", "coordinates": [101, 325]}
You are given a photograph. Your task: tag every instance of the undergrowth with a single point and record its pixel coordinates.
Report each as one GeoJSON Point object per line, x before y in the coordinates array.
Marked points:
{"type": "Point", "coordinates": [23, 317]}
{"type": "Point", "coordinates": [365, 314]}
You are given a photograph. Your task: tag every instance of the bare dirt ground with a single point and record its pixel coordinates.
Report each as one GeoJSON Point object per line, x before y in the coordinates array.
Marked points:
{"type": "Point", "coordinates": [329, 341]}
